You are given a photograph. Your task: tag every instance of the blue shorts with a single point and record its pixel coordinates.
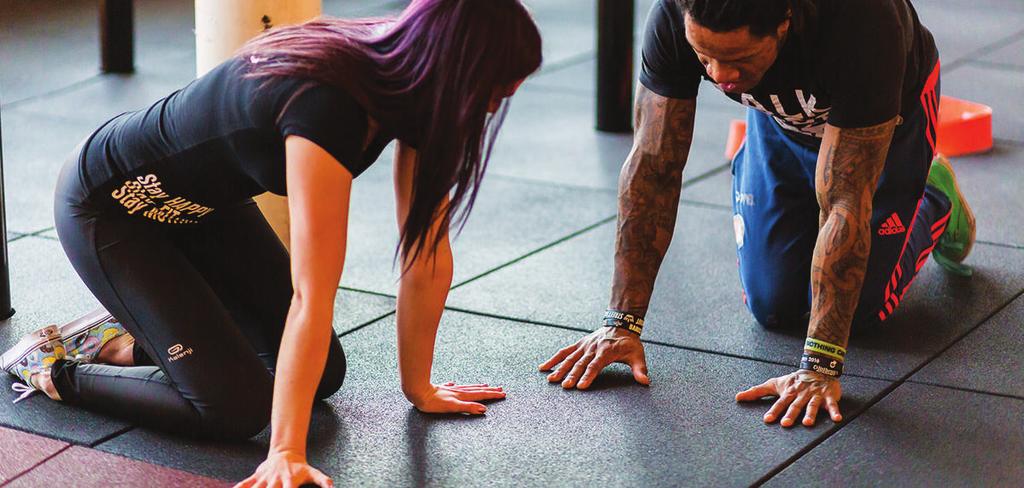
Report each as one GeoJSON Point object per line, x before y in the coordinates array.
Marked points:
{"type": "Point", "coordinates": [775, 215]}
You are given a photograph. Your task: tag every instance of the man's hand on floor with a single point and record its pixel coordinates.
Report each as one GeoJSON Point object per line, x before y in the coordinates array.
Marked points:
{"type": "Point", "coordinates": [797, 391]}
{"type": "Point", "coordinates": [582, 361]}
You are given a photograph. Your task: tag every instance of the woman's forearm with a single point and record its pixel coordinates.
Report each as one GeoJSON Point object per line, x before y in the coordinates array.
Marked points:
{"type": "Point", "coordinates": [422, 292]}
{"type": "Point", "coordinates": [300, 364]}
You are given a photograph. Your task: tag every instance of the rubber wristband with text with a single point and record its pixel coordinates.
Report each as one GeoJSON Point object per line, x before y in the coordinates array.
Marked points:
{"type": "Point", "coordinates": [825, 365]}
{"type": "Point", "coordinates": [624, 320]}
{"type": "Point", "coordinates": [816, 346]}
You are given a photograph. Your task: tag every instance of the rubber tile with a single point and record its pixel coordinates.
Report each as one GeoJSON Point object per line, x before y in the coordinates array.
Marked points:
{"type": "Point", "coordinates": [697, 300]}
{"type": "Point", "coordinates": [990, 182]}
{"type": "Point", "coordinates": [1011, 55]}
{"type": "Point", "coordinates": [511, 218]}
{"type": "Point", "coordinates": [83, 467]}
{"type": "Point", "coordinates": [989, 359]}
{"type": "Point", "coordinates": [568, 150]}
{"type": "Point", "coordinates": [103, 98]}
{"type": "Point", "coordinates": [997, 88]}
{"type": "Point", "coordinates": [19, 452]}
{"type": "Point", "coordinates": [52, 44]}
{"type": "Point", "coordinates": [35, 147]}
{"type": "Point", "coordinates": [45, 290]}
{"type": "Point", "coordinates": [961, 29]}
{"type": "Point", "coordinates": [920, 436]}
{"type": "Point", "coordinates": [670, 434]}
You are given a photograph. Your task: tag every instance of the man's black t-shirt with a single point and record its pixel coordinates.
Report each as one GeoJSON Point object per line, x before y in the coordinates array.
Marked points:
{"type": "Point", "coordinates": [219, 141]}
{"type": "Point", "coordinates": [855, 63]}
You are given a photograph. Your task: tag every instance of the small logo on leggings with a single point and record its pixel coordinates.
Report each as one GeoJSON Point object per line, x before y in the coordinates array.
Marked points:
{"type": "Point", "coordinates": [177, 352]}
{"type": "Point", "coordinates": [892, 226]}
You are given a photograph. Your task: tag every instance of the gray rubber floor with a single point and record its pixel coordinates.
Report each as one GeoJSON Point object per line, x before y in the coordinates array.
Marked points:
{"type": "Point", "coordinates": [934, 398]}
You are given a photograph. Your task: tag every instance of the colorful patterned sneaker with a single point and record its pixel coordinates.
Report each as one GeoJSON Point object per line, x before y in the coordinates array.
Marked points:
{"type": "Point", "coordinates": [35, 353]}
{"type": "Point", "coordinates": [85, 336]}
{"type": "Point", "coordinates": [956, 242]}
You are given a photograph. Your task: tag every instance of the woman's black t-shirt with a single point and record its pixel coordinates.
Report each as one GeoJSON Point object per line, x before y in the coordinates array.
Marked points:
{"type": "Point", "coordinates": [855, 63]}
{"type": "Point", "coordinates": [219, 141]}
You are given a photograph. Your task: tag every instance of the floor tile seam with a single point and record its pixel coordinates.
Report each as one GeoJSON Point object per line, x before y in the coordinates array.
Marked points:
{"type": "Point", "coordinates": [569, 186]}
{"type": "Point", "coordinates": [36, 465]}
{"type": "Point", "coordinates": [977, 53]}
{"type": "Point", "coordinates": [16, 237]}
{"type": "Point", "coordinates": [1004, 245]}
{"type": "Point", "coordinates": [566, 62]}
{"type": "Point", "coordinates": [880, 396]}
{"type": "Point", "coordinates": [995, 65]}
{"type": "Point", "coordinates": [368, 292]}
{"type": "Point", "coordinates": [111, 436]}
{"type": "Point", "coordinates": [1008, 142]}
{"type": "Point", "coordinates": [367, 324]}
{"type": "Point", "coordinates": [645, 341]}
{"type": "Point", "coordinates": [69, 88]}
{"type": "Point", "coordinates": [551, 184]}
{"type": "Point", "coordinates": [538, 250]}
{"type": "Point", "coordinates": [967, 390]}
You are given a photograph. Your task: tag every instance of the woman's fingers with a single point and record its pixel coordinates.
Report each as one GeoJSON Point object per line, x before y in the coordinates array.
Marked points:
{"type": "Point", "coordinates": [794, 410]}
{"type": "Point", "coordinates": [566, 365]}
{"type": "Point", "coordinates": [812, 410]}
{"type": "Point", "coordinates": [321, 480]}
{"type": "Point", "coordinates": [833, 409]}
{"type": "Point", "coordinates": [757, 392]}
{"type": "Point", "coordinates": [477, 396]}
{"type": "Point", "coordinates": [468, 407]}
{"type": "Point", "coordinates": [246, 483]}
{"type": "Point", "coordinates": [558, 357]}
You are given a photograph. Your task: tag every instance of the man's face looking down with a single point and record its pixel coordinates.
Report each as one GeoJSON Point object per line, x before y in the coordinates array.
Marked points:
{"type": "Point", "coordinates": [736, 60]}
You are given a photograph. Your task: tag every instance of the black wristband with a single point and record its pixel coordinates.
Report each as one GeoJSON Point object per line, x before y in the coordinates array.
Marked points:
{"type": "Point", "coordinates": [624, 320]}
{"type": "Point", "coordinates": [822, 364]}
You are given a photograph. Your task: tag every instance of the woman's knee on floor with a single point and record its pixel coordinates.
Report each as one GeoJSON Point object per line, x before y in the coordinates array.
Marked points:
{"type": "Point", "coordinates": [334, 372]}
{"type": "Point", "coordinates": [238, 416]}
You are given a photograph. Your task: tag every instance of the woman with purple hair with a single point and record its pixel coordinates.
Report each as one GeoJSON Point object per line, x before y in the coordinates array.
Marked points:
{"type": "Point", "coordinates": [155, 212]}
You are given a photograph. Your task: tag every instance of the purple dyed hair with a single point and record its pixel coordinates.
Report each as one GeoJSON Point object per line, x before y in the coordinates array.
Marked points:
{"type": "Point", "coordinates": [428, 75]}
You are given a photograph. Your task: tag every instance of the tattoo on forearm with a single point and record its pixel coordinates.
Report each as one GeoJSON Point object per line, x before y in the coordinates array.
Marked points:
{"type": "Point", "coordinates": [849, 165]}
{"type": "Point", "coordinates": [649, 188]}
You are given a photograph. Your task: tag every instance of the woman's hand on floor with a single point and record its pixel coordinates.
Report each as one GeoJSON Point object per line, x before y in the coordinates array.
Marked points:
{"type": "Point", "coordinates": [452, 398]}
{"type": "Point", "coordinates": [797, 391]}
{"type": "Point", "coordinates": [285, 470]}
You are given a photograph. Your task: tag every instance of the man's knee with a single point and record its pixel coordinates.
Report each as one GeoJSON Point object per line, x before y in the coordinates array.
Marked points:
{"type": "Point", "coordinates": [778, 306]}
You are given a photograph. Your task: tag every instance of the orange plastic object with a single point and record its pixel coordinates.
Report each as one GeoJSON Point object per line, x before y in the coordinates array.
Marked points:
{"type": "Point", "coordinates": [964, 127]}
{"type": "Point", "coordinates": [737, 133]}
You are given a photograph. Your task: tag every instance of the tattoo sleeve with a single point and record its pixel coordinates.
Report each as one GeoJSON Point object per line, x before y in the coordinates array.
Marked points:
{"type": "Point", "coordinates": [849, 164]}
{"type": "Point", "coordinates": [649, 186]}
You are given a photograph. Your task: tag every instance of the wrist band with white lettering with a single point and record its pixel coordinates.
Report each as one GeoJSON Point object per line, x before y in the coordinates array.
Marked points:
{"type": "Point", "coordinates": [816, 346]}
{"type": "Point", "coordinates": [624, 320]}
{"type": "Point", "coordinates": [825, 365]}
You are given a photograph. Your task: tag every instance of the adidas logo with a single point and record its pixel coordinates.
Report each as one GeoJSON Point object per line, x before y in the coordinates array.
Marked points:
{"type": "Point", "coordinates": [892, 226]}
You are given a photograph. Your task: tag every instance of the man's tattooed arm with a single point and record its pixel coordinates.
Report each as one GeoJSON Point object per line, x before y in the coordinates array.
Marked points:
{"type": "Point", "coordinates": [849, 164]}
{"type": "Point", "coordinates": [649, 187]}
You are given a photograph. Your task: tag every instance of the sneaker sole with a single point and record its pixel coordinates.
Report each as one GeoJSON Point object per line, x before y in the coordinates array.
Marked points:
{"type": "Point", "coordinates": [964, 207]}
{"type": "Point", "coordinates": [26, 345]}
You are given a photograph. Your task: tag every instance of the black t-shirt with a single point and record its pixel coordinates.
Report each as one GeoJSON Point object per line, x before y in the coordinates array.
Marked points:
{"type": "Point", "coordinates": [219, 141]}
{"type": "Point", "coordinates": [855, 63]}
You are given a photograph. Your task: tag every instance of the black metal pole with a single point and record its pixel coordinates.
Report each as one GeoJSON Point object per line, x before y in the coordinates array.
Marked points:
{"type": "Point", "coordinates": [614, 65]}
{"type": "Point", "coordinates": [117, 46]}
{"type": "Point", "coordinates": [5, 275]}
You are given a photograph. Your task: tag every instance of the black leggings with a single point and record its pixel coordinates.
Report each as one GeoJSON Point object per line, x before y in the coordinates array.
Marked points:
{"type": "Point", "coordinates": [207, 304]}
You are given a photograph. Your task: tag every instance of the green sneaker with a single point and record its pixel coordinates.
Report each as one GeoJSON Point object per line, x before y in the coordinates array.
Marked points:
{"type": "Point", "coordinates": [956, 242]}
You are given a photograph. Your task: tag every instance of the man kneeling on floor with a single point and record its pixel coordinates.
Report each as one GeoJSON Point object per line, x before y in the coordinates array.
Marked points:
{"type": "Point", "coordinates": [838, 202]}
